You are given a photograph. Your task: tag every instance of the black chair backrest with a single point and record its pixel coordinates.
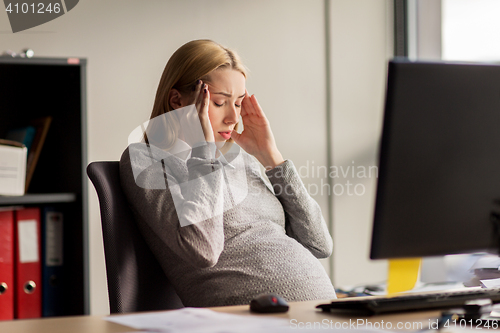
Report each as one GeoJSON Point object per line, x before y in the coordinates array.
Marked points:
{"type": "Point", "coordinates": [136, 281]}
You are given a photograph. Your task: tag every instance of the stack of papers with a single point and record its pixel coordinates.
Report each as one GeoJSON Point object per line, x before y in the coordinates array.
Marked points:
{"type": "Point", "coordinates": [194, 320]}
{"type": "Point", "coordinates": [200, 320]}
{"type": "Point", "coordinates": [487, 271]}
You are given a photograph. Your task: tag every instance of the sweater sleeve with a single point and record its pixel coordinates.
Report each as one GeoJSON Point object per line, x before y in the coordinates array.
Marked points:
{"type": "Point", "coordinates": [304, 220]}
{"type": "Point", "coordinates": [186, 216]}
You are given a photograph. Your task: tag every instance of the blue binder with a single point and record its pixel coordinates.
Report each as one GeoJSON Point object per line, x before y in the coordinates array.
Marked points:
{"type": "Point", "coordinates": [53, 279]}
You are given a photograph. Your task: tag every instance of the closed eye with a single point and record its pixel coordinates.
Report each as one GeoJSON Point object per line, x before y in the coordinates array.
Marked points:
{"type": "Point", "coordinates": [220, 105]}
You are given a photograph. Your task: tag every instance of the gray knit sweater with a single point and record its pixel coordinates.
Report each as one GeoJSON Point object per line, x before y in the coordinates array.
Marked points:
{"type": "Point", "coordinates": [262, 242]}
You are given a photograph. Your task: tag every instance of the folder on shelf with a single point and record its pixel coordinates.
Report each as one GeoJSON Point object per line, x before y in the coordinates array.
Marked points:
{"type": "Point", "coordinates": [53, 298]}
{"type": "Point", "coordinates": [41, 126]}
{"type": "Point", "coordinates": [6, 264]}
{"type": "Point", "coordinates": [28, 296]}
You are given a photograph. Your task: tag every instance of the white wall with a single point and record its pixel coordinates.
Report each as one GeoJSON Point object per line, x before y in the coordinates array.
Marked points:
{"type": "Point", "coordinates": [127, 43]}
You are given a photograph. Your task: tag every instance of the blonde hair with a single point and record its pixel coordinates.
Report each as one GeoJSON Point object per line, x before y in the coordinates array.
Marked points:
{"type": "Point", "coordinates": [191, 62]}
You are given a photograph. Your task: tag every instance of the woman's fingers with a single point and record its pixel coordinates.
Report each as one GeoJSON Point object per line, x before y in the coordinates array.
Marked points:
{"type": "Point", "coordinates": [197, 99]}
{"type": "Point", "coordinates": [201, 104]}
{"type": "Point", "coordinates": [205, 98]}
{"type": "Point", "coordinates": [203, 114]}
{"type": "Point", "coordinates": [202, 98]}
{"type": "Point", "coordinates": [256, 106]}
{"type": "Point", "coordinates": [247, 104]}
{"type": "Point", "coordinates": [251, 106]}
{"type": "Point", "coordinates": [244, 106]}
{"type": "Point", "coordinates": [196, 93]}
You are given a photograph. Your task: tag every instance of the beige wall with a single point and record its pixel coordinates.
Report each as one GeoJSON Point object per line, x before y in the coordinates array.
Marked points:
{"type": "Point", "coordinates": [127, 43]}
{"type": "Point", "coordinates": [361, 42]}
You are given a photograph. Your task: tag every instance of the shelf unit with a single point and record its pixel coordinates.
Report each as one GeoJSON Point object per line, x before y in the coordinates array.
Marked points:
{"type": "Point", "coordinates": [56, 87]}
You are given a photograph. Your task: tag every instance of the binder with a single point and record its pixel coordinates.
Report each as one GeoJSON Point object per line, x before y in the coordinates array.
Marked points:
{"type": "Point", "coordinates": [41, 128]}
{"type": "Point", "coordinates": [6, 264]}
{"type": "Point", "coordinates": [28, 296]}
{"type": "Point", "coordinates": [53, 279]}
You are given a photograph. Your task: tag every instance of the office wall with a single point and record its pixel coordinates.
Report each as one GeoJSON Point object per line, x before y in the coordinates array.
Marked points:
{"type": "Point", "coordinates": [361, 43]}
{"type": "Point", "coordinates": [127, 43]}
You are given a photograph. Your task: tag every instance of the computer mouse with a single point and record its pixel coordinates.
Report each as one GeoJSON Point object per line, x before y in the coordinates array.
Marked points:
{"type": "Point", "coordinates": [268, 303]}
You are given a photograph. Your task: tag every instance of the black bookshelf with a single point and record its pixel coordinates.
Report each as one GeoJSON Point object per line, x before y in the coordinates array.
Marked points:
{"type": "Point", "coordinates": [38, 198]}
{"type": "Point", "coordinates": [56, 87]}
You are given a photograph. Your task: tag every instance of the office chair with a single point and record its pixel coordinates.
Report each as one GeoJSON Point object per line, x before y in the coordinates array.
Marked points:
{"type": "Point", "coordinates": [136, 281]}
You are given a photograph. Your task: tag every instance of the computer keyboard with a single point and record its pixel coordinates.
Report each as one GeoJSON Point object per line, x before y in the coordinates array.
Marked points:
{"type": "Point", "coordinates": [371, 305]}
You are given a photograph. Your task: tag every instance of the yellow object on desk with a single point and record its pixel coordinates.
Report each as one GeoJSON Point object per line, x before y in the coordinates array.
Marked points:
{"type": "Point", "coordinates": [402, 275]}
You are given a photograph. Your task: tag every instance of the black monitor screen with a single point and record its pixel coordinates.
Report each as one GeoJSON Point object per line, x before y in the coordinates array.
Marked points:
{"type": "Point", "coordinates": [439, 178]}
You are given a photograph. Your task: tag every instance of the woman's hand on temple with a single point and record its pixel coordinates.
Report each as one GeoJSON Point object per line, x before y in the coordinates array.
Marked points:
{"type": "Point", "coordinates": [201, 99]}
{"type": "Point", "coordinates": [257, 138]}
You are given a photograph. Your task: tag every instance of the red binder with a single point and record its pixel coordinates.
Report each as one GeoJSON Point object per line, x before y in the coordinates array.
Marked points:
{"type": "Point", "coordinates": [6, 264]}
{"type": "Point", "coordinates": [28, 299]}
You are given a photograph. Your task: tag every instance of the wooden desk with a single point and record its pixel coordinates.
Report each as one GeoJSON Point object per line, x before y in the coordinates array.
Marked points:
{"type": "Point", "coordinates": [300, 314]}
{"type": "Point", "coordinates": [306, 312]}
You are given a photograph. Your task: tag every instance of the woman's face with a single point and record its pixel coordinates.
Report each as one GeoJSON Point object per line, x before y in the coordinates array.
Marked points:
{"type": "Point", "coordinates": [227, 89]}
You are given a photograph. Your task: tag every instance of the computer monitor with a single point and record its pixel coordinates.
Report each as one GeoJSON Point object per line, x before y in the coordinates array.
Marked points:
{"type": "Point", "coordinates": [439, 179]}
